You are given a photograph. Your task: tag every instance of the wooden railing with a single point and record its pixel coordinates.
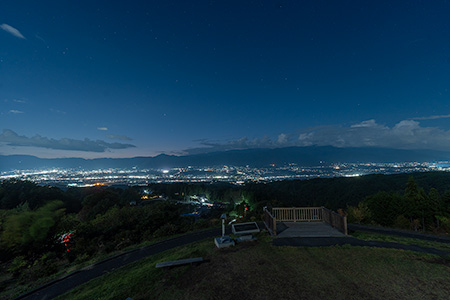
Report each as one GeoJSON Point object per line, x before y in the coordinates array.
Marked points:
{"type": "Point", "coordinates": [298, 214]}
{"type": "Point", "coordinates": [270, 222]}
{"type": "Point", "coordinates": [294, 214]}
{"type": "Point", "coordinates": [335, 220]}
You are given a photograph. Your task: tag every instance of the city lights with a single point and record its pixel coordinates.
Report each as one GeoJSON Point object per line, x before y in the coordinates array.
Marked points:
{"type": "Point", "coordinates": [238, 175]}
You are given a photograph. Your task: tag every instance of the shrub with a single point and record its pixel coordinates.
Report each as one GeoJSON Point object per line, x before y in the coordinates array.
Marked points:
{"type": "Point", "coordinates": [358, 214]}
{"type": "Point", "coordinates": [166, 229]}
{"type": "Point", "coordinates": [402, 222]}
{"type": "Point", "coordinates": [17, 265]}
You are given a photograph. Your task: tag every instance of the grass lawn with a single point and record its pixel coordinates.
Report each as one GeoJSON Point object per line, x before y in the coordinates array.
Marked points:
{"type": "Point", "coordinates": [258, 270]}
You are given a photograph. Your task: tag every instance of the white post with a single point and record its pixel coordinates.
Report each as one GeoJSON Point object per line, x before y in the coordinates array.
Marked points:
{"type": "Point", "coordinates": [223, 227]}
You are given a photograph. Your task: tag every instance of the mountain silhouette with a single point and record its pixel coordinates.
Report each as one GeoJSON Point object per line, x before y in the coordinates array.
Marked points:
{"type": "Point", "coordinates": [304, 156]}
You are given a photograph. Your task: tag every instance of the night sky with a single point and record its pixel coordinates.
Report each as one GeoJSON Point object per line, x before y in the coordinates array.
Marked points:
{"type": "Point", "coordinates": [138, 78]}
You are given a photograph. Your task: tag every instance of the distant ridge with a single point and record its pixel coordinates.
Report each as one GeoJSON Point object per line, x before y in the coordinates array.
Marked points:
{"type": "Point", "coordinates": [305, 156]}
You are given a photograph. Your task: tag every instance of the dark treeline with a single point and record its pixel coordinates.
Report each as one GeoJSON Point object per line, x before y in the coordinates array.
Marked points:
{"type": "Point", "coordinates": [333, 193]}
{"type": "Point", "coordinates": [412, 208]}
{"type": "Point", "coordinates": [340, 192]}
{"type": "Point", "coordinates": [34, 219]}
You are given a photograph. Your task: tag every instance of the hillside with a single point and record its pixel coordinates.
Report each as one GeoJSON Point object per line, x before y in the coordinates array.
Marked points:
{"type": "Point", "coordinates": [304, 156]}
{"type": "Point", "coordinates": [258, 270]}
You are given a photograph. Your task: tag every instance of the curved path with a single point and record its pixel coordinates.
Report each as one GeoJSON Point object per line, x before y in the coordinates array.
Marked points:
{"type": "Point", "coordinates": [399, 232]}
{"type": "Point", "coordinates": [66, 283]}
{"type": "Point", "coordinates": [347, 240]}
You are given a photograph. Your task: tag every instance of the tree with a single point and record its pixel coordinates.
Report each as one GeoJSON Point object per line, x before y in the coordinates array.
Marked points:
{"type": "Point", "coordinates": [415, 200]}
{"type": "Point", "coordinates": [435, 205]}
{"type": "Point", "coordinates": [100, 202]}
{"type": "Point", "coordinates": [359, 213]}
{"type": "Point", "coordinates": [385, 207]}
{"type": "Point", "coordinates": [446, 203]}
{"type": "Point", "coordinates": [32, 230]}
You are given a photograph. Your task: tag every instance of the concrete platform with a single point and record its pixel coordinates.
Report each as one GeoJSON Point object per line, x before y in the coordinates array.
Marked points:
{"type": "Point", "coordinates": [306, 229]}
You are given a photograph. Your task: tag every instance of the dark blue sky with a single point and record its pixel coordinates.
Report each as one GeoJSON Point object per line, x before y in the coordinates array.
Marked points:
{"type": "Point", "coordinates": [120, 79]}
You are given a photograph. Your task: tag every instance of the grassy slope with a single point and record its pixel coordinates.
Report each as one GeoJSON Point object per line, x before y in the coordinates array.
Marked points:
{"type": "Point", "coordinates": [258, 270]}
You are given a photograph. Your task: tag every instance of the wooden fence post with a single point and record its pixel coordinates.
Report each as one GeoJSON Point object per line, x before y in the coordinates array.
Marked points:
{"type": "Point", "coordinates": [345, 225]}
{"type": "Point", "coordinates": [274, 226]}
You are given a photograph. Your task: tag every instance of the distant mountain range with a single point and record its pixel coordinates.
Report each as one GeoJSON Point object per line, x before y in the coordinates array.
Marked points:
{"type": "Point", "coordinates": [305, 156]}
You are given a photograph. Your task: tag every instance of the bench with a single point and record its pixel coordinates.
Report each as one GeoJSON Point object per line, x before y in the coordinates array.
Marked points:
{"type": "Point", "coordinates": [179, 262]}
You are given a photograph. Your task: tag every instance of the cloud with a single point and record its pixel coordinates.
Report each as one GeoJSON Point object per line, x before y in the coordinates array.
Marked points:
{"type": "Point", "coordinates": [102, 128]}
{"type": "Point", "coordinates": [119, 137]}
{"type": "Point", "coordinates": [366, 124]}
{"type": "Point", "coordinates": [13, 139]}
{"type": "Point", "coordinates": [406, 134]}
{"type": "Point", "coordinates": [40, 38]}
{"type": "Point", "coordinates": [12, 31]}
{"type": "Point", "coordinates": [283, 139]}
{"type": "Point", "coordinates": [432, 117]}
{"type": "Point", "coordinates": [14, 111]}
{"type": "Point", "coordinates": [19, 101]}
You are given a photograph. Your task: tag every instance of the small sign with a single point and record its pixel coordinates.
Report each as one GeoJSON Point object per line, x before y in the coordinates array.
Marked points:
{"type": "Point", "coordinates": [245, 228]}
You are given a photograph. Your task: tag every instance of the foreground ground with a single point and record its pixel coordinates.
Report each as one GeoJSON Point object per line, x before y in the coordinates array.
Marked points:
{"type": "Point", "coordinates": [259, 270]}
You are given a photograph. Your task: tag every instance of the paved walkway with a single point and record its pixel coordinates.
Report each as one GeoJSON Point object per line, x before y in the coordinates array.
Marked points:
{"type": "Point", "coordinates": [65, 284]}
{"type": "Point", "coordinates": [306, 229]}
{"type": "Point", "coordinates": [339, 241]}
{"type": "Point", "coordinates": [399, 232]}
